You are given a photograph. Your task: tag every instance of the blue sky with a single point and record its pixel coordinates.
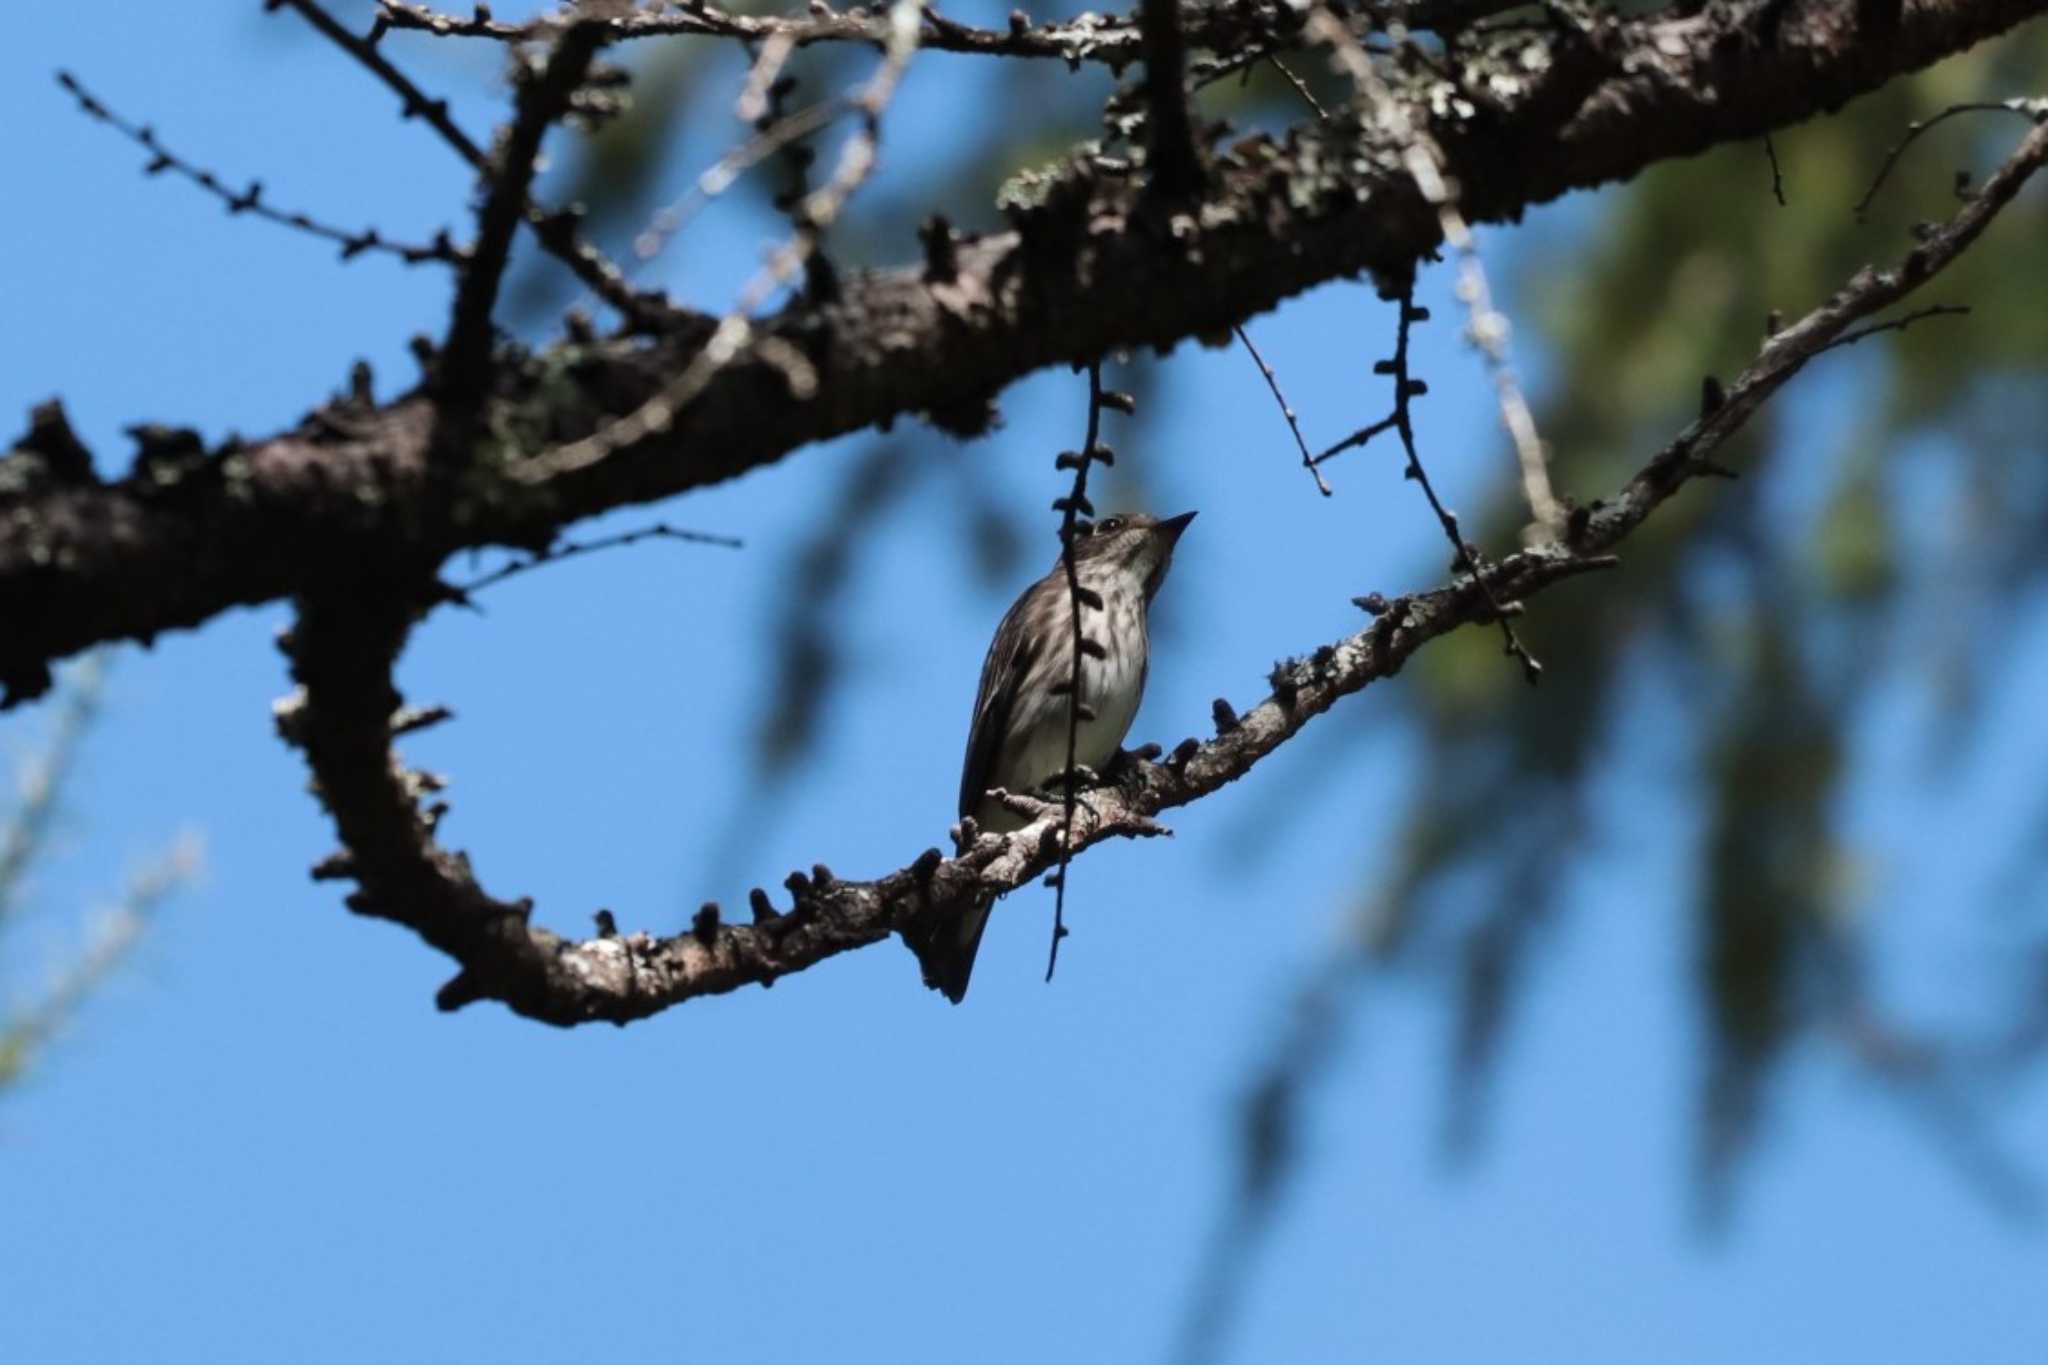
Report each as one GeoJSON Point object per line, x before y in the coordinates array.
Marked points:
{"type": "Point", "coordinates": [262, 1143]}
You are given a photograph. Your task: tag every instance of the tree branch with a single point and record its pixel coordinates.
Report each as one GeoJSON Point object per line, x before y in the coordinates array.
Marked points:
{"type": "Point", "coordinates": [556, 232]}
{"type": "Point", "coordinates": [1079, 273]}
{"type": "Point", "coordinates": [543, 97]}
{"type": "Point", "coordinates": [347, 712]}
{"type": "Point", "coordinates": [1488, 329]}
{"type": "Point", "coordinates": [1115, 41]}
{"type": "Point", "coordinates": [250, 200]}
{"type": "Point", "coordinates": [1173, 164]}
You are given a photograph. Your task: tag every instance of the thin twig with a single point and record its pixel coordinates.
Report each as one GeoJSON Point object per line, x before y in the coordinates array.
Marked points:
{"type": "Point", "coordinates": [1464, 558]}
{"type": "Point", "coordinates": [765, 112]}
{"type": "Point", "coordinates": [1360, 437]}
{"type": "Point", "coordinates": [556, 232]}
{"type": "Point", "coordinates": [413, 101]}
{"type": "Point", "coordinates": [1899, 324]}
{"type": "Point", "coordinates": [760, 105]}
{"type": "Point", "coordinates": [555, 554]}
{"type": "Point", "coordinates": [821, 25]}
{"type": "Point", "coordinates": [667, 222]}
{"type": "Point", "coordinates": [735, 332]}
{"type": "Point", "coordinates": [1071, 508]}
{"type": "Point", "coordinates": [250, 200]}
{"type": "Point", "coordinates": [1300, 86]}
{"type": "Point", "coordinates": [1205, 71]}
{"type": "Point", "coordinates": [1488, 327]}
{"type": "Point", "coordinates": [1777, 179]}
{"type": "Point", "coordinates": [2034, 110]}
{"type": "Point", "coordinates": [756, 96]}
{"type": "Point", "coordinates": [1173, 163]}
{"type": "Point", "coordinates": [1308, 461]}
{"type": "Point", "coordinates": [466, 355]}
{"type": "Point", "coordinates": [1113, 40]}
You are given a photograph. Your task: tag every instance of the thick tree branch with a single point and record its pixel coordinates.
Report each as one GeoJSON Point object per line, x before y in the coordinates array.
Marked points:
{"type": "Point", "coordinates": [347, 713]}
{"type": "Point", "coordinates": [1080, 273]}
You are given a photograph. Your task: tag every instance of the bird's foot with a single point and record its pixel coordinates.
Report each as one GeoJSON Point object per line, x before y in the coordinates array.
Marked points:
{"type": "Point", "coordinates": [1055, 787]}
{"type": "Point", "coordinates": [1127, 769]}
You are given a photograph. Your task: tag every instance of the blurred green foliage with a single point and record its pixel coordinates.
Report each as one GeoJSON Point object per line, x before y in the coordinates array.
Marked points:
{"type": "Point", "coordinates": [1776, 608]}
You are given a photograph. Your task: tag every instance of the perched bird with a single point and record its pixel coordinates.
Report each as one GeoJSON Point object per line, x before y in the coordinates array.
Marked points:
{"type": "Point", "coordinates": [1019, 738]}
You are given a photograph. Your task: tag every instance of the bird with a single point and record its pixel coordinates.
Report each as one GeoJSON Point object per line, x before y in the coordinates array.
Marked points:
{"type": "Point", "coordinates": [1018, 739]}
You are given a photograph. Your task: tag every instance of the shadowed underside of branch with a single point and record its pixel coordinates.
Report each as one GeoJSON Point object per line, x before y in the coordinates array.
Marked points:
{"type": "Point", "coordinates": [1089, 264]}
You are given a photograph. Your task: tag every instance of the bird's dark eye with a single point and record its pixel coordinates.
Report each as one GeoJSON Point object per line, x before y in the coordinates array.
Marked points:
{"type": "Point", "coordinates": [1110, 525]}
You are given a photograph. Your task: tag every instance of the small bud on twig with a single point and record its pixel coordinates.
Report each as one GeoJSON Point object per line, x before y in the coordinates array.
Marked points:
{"type": "Point", "coordinates": [704, 924]}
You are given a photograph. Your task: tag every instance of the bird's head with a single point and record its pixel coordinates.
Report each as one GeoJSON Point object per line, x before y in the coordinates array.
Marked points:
{"type": "Point", "coordinates": [1132, 543]}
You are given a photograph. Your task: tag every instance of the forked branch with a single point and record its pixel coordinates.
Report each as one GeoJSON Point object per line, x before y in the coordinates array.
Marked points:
{"type": "Point", "coordinates": [346, 713]}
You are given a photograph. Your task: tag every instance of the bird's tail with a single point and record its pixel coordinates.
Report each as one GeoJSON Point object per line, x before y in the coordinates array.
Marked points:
{"type": "Point", "coordinates": [946, 951]}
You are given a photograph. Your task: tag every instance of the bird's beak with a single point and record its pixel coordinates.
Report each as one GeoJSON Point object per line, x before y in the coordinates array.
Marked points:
{"type": "Point", "coordinates": [1173, 526]}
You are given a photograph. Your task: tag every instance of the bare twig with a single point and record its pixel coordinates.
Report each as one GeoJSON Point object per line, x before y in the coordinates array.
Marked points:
{"type": "Point", "coordinates": [1488, 328]}
{"type": "Point", "coordinates": [784, 133]}
{"type": "Point", "coordinates": [1111, 40]}
{"type": "Point", "coordinates": [1360, 437]}
{"type": "Point", "coordinates": [556, 554]}
{"type": "Point", "coordinates": [821, 25]}
{"type": "Point", "coordinates": [756, 96]}
{"type": "Point", "coordinates": [1777, 179]}
{"type": "Point", "coordinates": [543, 97]}
{"type": "Point", "coordinates": [1300, 86]}
{"type": "Point", "coordinates": [766, 111]}
{"type": "Point", "coordinates": [1407, 388]}
{"type": "Point", "coordinates": [556, 232]}
{"type": "Point", "coordinates": [413, 101]}
{"type": "Point", "coordinates": [250, 200]}
{"type": "Point", "coordinates": [1900, 323]}
{"type": "Point", "coordinates": [1115, 40]}
{"type": "Point", "coordinates": [1308, 461]}
{"type": "Point", "coordinates": [1071, 508]}
{"type": "Point", "coordinates": [2034, 110]}
{"type": "Point", "coordinates": [1173, 163]}
{"type": "Point", "coordinates": [1464, 558]}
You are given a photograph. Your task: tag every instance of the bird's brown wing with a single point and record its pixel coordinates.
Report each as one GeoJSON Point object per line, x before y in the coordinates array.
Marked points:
{"type": "Point", "coordinates": [946, 950]}
{"type": "Point", "coordinates": [1009, 660]}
